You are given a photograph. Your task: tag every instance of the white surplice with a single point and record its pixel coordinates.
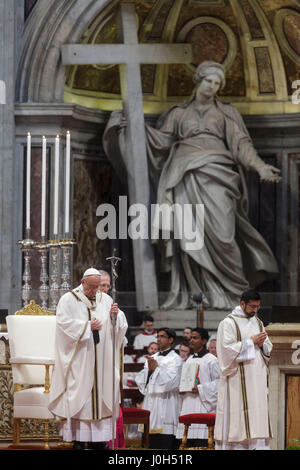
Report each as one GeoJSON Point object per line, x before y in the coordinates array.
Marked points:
{"type": "Point", "coordinates": [161, 392]}
{"type": "Point", "coordinates": [81, 383]}
{"type": "Point", "coordinates": [142, 340]}
{"type": "Point", "coordinates": [205, 401]}
{"type": "Point", "coordinates": [242, 419]}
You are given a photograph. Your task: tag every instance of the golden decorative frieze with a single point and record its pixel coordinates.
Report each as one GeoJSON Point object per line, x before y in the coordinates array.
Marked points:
{"type": "Point", "coordinates": [33, 309]}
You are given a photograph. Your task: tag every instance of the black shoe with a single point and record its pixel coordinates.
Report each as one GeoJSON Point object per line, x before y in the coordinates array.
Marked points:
{"type": "Point", "coordinates": [78, 445]}
{"type": "Point", "coordinates": [98, 446]}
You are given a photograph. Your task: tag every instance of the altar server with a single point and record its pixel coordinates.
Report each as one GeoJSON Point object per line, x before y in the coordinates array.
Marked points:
{"type": "Point", "coordinates": [159, 381]}
{"type": "Point", "coordinates": [147, 336]}
{"type": "Point", "coordinates": [198, 387]}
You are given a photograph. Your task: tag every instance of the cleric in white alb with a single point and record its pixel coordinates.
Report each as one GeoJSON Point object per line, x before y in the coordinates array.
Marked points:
{"type": "Point", "coordinates": [243, 349]}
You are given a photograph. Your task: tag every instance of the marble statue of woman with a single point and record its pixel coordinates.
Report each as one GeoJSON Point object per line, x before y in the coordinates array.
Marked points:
{"type": "Point", "coordinates": [197, 154]}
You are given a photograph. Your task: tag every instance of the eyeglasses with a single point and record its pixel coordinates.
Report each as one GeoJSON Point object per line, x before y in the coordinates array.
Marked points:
{"type": "Point", "coordinates": [92, 287]}
{"type": "Point", "coordinates": [162, 336]}
{"type": "Point", "coordinates": [254, 307]}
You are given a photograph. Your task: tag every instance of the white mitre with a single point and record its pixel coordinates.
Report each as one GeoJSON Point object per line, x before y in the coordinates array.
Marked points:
{"type": "Point", "coordinates": [91, 272]}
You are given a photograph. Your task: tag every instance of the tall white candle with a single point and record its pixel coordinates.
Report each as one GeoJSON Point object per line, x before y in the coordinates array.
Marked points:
{"type": "Point", "coordinates": [56, 184]}
{"type": "Point", "coordinates": [67, 198]}
{"type": "Point", "coordinates": [28, 176]}
{"type": "Point", "coordinates": [43, 205]}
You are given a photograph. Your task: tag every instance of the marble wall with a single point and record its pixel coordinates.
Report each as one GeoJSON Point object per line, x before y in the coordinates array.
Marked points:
{"type": "Point", "coordinates": [35, 205]}
{"type": "Point", "coordinates": [92, 186]}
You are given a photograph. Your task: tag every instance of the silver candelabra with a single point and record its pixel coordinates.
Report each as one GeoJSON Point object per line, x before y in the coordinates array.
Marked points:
{"type": "Point", "coordinates": [43, 249]}
{"type": "Point", "coordinates": [66, 247]}
{"type": "Point", "coordinates": [54, 246]}
{"type": "Point", "coordinates": [27, 246]}
{"type": "Point", "coordinates": [55, 276]}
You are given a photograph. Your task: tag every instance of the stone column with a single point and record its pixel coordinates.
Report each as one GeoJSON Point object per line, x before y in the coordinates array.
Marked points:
{"type": "Point", "coordinates": [284, 363]}
{"type": "Point", "coordinates": [7, 138]}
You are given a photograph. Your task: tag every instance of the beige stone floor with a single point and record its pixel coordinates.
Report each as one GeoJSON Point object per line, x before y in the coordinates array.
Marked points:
{"type": "Point", "coordinates": [34, 444]}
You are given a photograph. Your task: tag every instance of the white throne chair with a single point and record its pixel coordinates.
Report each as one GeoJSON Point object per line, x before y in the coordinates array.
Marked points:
{"type": "Point", "coordinates": [31, 334]}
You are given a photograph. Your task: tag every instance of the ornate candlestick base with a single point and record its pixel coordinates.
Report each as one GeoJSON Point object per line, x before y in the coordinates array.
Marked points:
{"type": "Point", "coordinates": [27, 246]}
{"type": "Point", "coordinates": [67, 247]}
{"type": "Point", "coordinates": [54, 246]}
{"type": "Point", "coordinates": [43, 248]}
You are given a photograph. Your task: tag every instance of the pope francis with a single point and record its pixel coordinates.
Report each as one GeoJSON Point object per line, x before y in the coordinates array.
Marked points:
{"type": "Point", "coordinates": [81, 385]}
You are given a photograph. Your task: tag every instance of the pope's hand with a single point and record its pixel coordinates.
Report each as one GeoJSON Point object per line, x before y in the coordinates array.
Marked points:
{"type": "Point", "coordinates": [95, 324]}
{"type": "Point", "coordinates": [114, 310]}
{"type": "Point", "coordinates": [269, 173]}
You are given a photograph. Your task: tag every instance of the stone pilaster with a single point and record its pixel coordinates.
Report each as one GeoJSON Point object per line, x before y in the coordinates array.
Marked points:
{"type": "Point", "coordinates": [7, 137]}
{"type": "Point", "coordinates": [284, 363]}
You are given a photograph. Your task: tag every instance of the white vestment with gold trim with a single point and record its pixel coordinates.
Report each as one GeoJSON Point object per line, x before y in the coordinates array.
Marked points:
{"type": "Point", "coordinates": [81, 384]}
{"type": "Point", "coordinates": [242, 418]}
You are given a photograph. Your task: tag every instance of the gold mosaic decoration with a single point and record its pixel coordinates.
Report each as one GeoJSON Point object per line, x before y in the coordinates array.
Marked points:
{"type": "Point", "coordinates": [256, 41]}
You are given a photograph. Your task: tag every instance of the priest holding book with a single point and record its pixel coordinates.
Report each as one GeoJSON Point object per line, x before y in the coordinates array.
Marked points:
{"type": "Point", "coordinates": [198, 387]}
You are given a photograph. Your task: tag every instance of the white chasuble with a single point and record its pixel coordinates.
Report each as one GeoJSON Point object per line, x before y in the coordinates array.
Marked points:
{"type": "Point", "coordinates": [242, 416]}
{"type": "Point", "coordinates": [205, 401]}
{"type": "Point", "coordinates": [81, 383]}
{"type": "Point", "coordinates": [161, 392]}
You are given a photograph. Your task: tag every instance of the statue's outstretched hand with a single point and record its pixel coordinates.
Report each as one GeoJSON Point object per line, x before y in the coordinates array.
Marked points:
{"type": "Point", "coordinates": [269, 173]}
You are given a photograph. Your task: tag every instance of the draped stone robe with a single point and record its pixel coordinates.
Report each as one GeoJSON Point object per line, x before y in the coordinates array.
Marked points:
{"type": "Point", "coordinates": [242, 407]}
{"type": "Point", "coordinates": [197, 155]}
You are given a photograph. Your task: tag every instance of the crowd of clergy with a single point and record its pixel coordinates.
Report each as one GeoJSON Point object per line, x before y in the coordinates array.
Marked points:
{"type": "Point", "coordinates": [175, 380]}
{"type": "Point", "coordinates": [224, 374]}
